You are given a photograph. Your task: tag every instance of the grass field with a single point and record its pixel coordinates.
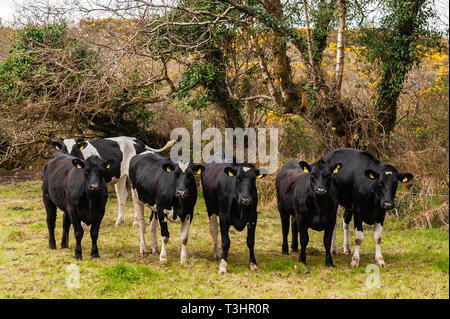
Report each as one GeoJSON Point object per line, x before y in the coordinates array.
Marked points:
{"type": "Point", "coordinates": [417, 261]}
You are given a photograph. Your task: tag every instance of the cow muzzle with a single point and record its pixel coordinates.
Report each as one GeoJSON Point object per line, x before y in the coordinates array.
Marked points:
{"type": "Point", "coordinates": [388, 205]}
{"type": "Point", "coordinates": [245, 201]}
{"type": "Point", "coordinates": [94, 188]}
{"type": "Point", "coordinates": [321, 191]}
{"type": "Point", "coordinates": [182, 194]}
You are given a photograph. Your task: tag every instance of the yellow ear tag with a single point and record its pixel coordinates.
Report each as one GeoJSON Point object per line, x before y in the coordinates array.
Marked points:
{"type": "Point", "coordinates": [168, 169]}
{"type": "Point", "coordinates": [199, 171]}
{"type": "Point", "coordinates": [371, 176]}
{"type": "Point", "coordinates": [405, 180]}
{"type": "Point", "coordinates": [336, 170]}
{"type": "Point", "coordinates": [81, 147]}
{"type": "Point", "coordinates": [229, 173]}
{"type": "Point", "coordinates": [305, 170]}
{"type": "Point", "coordinates": [57, 147]}
{"type": "Point", "coordinates": [259, 176]}
{"type": "Point", "coordinates": [78, 166]}
{"type": "Point", "coordinates": [108, 166]}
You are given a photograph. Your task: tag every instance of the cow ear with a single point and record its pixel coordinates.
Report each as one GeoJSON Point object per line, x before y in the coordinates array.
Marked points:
{"type": "Point", "coordinates": [259, 174]}
{"type": "Point", "coordinates": [82, 145]}
{"type": "Point", "coordinates": [371, 174]}
{"type": "Point", "coordinates": [168, 167]}
{"type": "Point", "coordinates": [336, 168]}
{"type": "Point", "coordinates": [230, 171]}
{"type": "Point", "coordinates": [78, 163]}
{"type": "Point", "coordinates": [305, 166]}
{"type": "Point", "coordinates": [56, 145]}
{"type": "Point", "coordinates": [109, 163]}
{"type": "Point", "coordinates": [198, 169]}
{"type": "Point", "coordinates": [404, 178]}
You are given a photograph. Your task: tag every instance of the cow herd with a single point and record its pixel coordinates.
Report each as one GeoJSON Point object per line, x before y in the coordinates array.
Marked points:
{"type": "Point", "coordinates": [75, 180]}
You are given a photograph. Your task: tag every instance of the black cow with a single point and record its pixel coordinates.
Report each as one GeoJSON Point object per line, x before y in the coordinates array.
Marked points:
{"type": "Point", "coordinates": [121, 149]}
{"type": "Point", "coordinates": [78, 188]}
{"type": "Point", "coordinates": [308, 194]}
{"type": "Point", "coordinates": [366, 188]}
{"type": "Point", "coordinates": [230, 192]}
{"type": "Point", "coordinates": [169, 188]}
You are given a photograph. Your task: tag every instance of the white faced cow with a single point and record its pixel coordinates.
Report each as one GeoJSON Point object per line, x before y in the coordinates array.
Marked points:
{"type": "Point", "coordinates": [121, 149]}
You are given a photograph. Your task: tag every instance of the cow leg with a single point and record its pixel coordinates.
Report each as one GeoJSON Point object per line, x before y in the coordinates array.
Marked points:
{"type": "Point", "coordinates": [164, 234]}
{"type": "Point", "coordinates": [184, 238]}
{"type": "Point", "coordinates": [334, 247]}
{"type": "Point", "coordinates": [294, 243]}
{"type": "Point", "coordinates": [139, 211]}
{"type": "Point", "coordinates": [95, 228]}
{"type": "Point", "coordinates": [304, 239]}
{"type": "Point", "coordinates": [285, 231]}
{"type": "Point", "coordinates": [327, 239]}
{"type": "Point", "coordinates": [377, 239]}
{"type": "Point", "coordinates": [214, 231]}
{"type": "Point", "coordinates": [224, 228]}
{"type": "Point", "coordinates": [78, 231]}
{"type": "Point", "coordinates": [346, 225]}
{"type": "Point", "coordinates": [251, 244]}
{"type": "Point", "coordinates": [122, 194]}
{"type": "Point", "coordinates": [359, 237]}
{"type": "Point", "coordinates": [66, 229]}
{"type": "Point", "coordinates": [50, 208]}
{"type": "Point", "coordinates": [153, 225]}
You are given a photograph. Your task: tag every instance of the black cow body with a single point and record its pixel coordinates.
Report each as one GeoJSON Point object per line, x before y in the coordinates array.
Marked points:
{"type": "Point", "coordinates": [169, 188]}
{"type": "Point", "coordinates": [78, 188]}
{"type": "Point", "coordinates": [230, 193]}
{"type": "Point", "coordinates": [121, 149]}
{"type": "Point", "coordinates": [309, 195]}
{"type": "Point", "coordinates": [366, 188]}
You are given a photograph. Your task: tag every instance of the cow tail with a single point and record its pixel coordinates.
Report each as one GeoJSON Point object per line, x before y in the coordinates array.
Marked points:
{"type": "Point", "coordinates": [168, 145]}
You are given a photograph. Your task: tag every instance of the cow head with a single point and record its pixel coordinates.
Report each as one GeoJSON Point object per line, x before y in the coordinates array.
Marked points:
{"type": "Point", "coordinates": [94, 169]}
{"type": "Point", "coordinates": [183, 173]}
{"type": "Point", "coordinates": [320, 175]}
{"type": "Point", "coordinates": [245, 182]}
{"type": "Point", "coordinates": [386, 184]}
{"type": "Point", "coordinates": [66, 147]}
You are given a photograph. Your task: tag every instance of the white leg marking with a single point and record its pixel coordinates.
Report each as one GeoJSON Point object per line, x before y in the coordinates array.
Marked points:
{"type": "Point", "coordinates": [223, 267]}
{"type": "Point", "coordinates": [184, 238]}
{"type": "Point", "coordinates": [347, 249]}
{"type": "Point", "coordinates": [163, 255]}
{"type": "Point", "coordinates": [154, 238]}
{"type": "Point", "coordinates": [214, 230]}
{"type": "Point", "coordinates": [139, 211]}
{"type": "Point", "coordinates": [334, 248]}
{"type": "Point", "coordinates": [253, 267]}
{"type": "Point", "coordinates": [122, 194]}
{"type": "Point", "coordinates": [359, 236]}
{"type": "Point", "coordinates": [378, 229]}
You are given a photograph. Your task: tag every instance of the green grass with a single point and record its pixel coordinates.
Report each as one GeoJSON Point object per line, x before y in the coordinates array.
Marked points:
{"type": "Point", "coordinates": [417, 261]}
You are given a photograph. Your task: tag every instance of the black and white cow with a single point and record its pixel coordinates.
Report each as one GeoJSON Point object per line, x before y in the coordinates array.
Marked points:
{"type": "Point", "coordinates": [78, 188]}
{"type": "Point", "coordinates": [121, 149]}
{"type": "Point", "coordinates": [170, 190]}
{"type": "Point", "coordinates": [366, 188]}
{"type": "Point", "coordinates": [229, 190]}
{"type": "Point", "coordinates": [309, 195]}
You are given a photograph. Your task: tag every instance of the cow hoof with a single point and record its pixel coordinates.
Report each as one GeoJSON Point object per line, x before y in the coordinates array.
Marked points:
{"type": "Point", "coordinates": [155, 251]}
{"type": "Point", "coordinates": [216, 257]}
{"type": "Point", "coordinates": [183, 260]}
{"type": "Point", "coordinates": [347, 251]}
{"type": "Point", "coordinates": [354, 263]}
{"type": "Point", "coordinates": [253, 267]}
{"type": "Point", "coordinates": [162, 260]}
{"type": "Point", "coordinates": [96, 256]}
{"type": "Point", "coordinates": [78, 257]}
{"type": "Point", "coordinates": [143, 254]}
{"type": "Point", "coordinates": [295, 250]}
{"type": "Point", "coordinates": [223, 267]}
{"type": "Point", "coordinates": [120, 221]}
{"type": "Point", "coordinates": [380, 262]}
{"type": "Point", "coordinates": [135, 224]}
{"type": "Point", "coordinates": [285, 253]}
